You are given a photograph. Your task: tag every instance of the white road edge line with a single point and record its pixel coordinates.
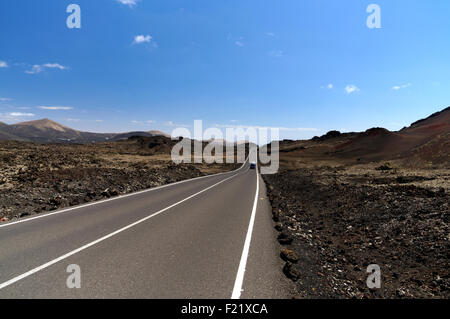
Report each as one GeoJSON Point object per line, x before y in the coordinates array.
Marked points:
{"type": "Point", "coordinates": [115, 198]}
{"type": "Point", "coordinates": [237, 290]}
{"type": "Point", "coordinates": [73, 252]}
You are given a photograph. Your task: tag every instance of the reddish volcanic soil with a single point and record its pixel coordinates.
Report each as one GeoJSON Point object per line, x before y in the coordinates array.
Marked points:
{"type": "Point", "coordinates": [424, 143]}
{"type": "Point", "coordinates": [344, 201]}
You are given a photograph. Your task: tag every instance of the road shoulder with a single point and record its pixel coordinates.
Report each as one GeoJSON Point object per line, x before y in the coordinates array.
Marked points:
{"type": "Point", "coordinates": [264, 277]}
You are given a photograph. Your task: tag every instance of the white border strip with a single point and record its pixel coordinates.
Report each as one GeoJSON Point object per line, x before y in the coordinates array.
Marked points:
{"type": "Point", "coordinates": [73, 252]}
{"type": "Point", "coordinates": [115, 198]}
{"type": "Point", "coordinates": [237, 290]}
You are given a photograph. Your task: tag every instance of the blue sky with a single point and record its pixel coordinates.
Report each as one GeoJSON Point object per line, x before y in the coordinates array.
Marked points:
{"type": "Point", "coordinates": [306, 66]}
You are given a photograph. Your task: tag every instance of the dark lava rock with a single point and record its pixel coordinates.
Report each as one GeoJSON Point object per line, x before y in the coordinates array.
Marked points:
{"type": "Point", "coordinates": [290, 271]}
{"type": "Point", "coordinates": [289, 255]}
{"type": "Point", "coordinates": [285, 239]}
{"type": "Point", "coordinates": [340, 228]}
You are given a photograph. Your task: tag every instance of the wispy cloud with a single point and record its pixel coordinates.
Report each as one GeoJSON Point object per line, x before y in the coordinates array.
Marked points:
{"type": "Point", "coordinates": [56, 108]}
{"type": "Point", "coordinates": [142, 39]}
{"type": "Point", "coordinates": [15, 117]}
{"type": "Point", "coordinates": [38, 68]}
{"type": "Point", "coordinates": [35, 69]}
{"type": "Point", "coordinates": [3, 64]}
{"type": "Point", "coordinates": [399, 87]}
{"type": "Point", "coordinates": [20, 114]}
{"type": "Point", "coordinates": [351, 89]}
{"type": "Point", "coordinates": [99, 121]}
{"type": "Point", "coordinates": [301, 129]}
{"type": "Point", "coordinates": [5, 99]}
{"type": "Point", "coordinates": [238, 41]}
{"type": "Point", "coordinates": [270, 34]}
{"type": "Point", "coordinates": [143, 122]}
{"type": "Point", "coordinates": [130, 3]}
{"type": "Point", "coordinates": [329, 86]}
{"type": "Point", "coordinates": [276, 53]}
{"type": "Point", "coordinates": [54, 66]}
{"type": "Point", "coordinates": [172, 124]}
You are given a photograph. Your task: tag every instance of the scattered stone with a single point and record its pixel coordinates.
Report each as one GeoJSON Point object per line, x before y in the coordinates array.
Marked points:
{"type": "Point", "coordinates": [385, 167]}
{"type": "Point", "coordinates": [289, 255]}
{"type": "Point", "coordinates": [284, 238]}
{"type": "Point", "coordinates": [290, 271]}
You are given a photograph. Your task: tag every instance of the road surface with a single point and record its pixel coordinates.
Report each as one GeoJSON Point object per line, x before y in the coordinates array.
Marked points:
{"type": "Point", "coordinates": [208, 237]}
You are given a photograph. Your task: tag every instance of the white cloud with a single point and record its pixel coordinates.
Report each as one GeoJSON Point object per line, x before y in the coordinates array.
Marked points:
{"type": "Point", "coordinates": [99, 121]}
{"type": "Point", "coordinates": [270, 34]}
{"type": "Point", "coordinates": [3, 64]}
{"type": "Point", "coordinates": [130, 3]}
{"type": "Point", "coordinates": [15, 117]}
{"type": "Point", "coordinates": [151, 122]}
{"type": "Point", "coordinates": [56, 108]}
{"type": "Point", "coordinates": [399, 87]}
{"type": "Point", "coordinates": [55, 66]}
{"type": "Point", "coordinates": [72, 120]}
{"type": "Point", "coordinates": [239, 43]}
{"type": "Point", "coordinates": [351, 89]}
{"type": "Point", "coordinates": [329, 86]}
{"type": "Point", "coordinates": [19, 114]}
{"type": "Point", "coordinates": [142, 39]}
{"type": "Point", "coordinates": [5, 99]}
{"type": "Point", "coordinates": [35, 69]}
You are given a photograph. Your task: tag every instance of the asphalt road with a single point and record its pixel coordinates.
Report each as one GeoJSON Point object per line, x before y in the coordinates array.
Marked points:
{"type": "Point", "coordinates": [204, 238]}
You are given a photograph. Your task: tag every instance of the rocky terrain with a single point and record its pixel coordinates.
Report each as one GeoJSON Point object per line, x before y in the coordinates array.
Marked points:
{"type": "Point", "coordinates": [344, 202]}
{"type": "Point", "coordinates": [37, 178]}
{"type": "Point", "coordinates": [338, 222]}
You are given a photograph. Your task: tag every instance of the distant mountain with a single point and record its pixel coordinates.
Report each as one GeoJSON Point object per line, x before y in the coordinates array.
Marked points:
{"type": "Point", "coordinates": [425, 141]}
{"type": "Point", "coordinates": [5, 133]}
{"type": "Point", "coordinates": [48, 131]}
{"type": "Point", "coordinates": [125, 136]}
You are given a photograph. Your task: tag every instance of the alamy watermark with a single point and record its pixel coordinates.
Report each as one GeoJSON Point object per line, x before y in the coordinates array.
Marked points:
{"type": "Point", "coordinates": [74, 279]}
{"type": "Point", "coordinates": [261, 144]}
{"type": "Point", "coordinates": [374, 19]}
{"type": "Point", "coordinates": [374, 279]}
{"type": "Point", "coordinates": [74, 19]}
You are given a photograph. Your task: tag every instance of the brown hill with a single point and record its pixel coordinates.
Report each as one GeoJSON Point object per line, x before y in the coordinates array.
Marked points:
{"type": "Point", "coordinates": [43, 125]}
{"type": "Point", "coordinates": [48, 131]}
{"type": "Point", "coordinates": [425, 141]}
